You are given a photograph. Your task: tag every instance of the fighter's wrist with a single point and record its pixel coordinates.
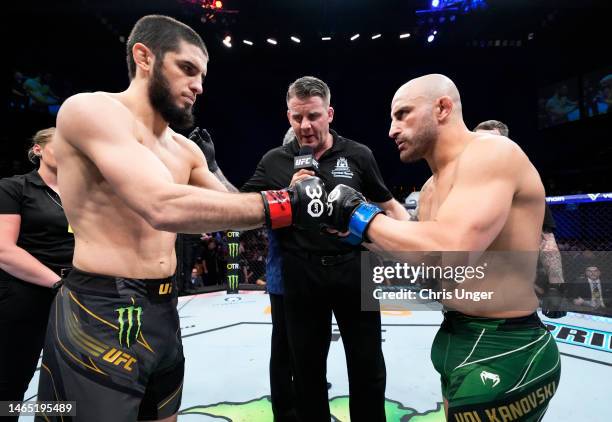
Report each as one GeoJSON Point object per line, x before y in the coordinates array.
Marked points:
{"type": "Point", "coordinates": [277, 208]}
{"type": "Point", "coordinates": [360, 221]}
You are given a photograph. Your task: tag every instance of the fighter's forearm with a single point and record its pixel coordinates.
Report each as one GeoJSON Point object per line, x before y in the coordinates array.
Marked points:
{"type": "Point", "coordinates": [395, 210]}
{"type": "Point", "coordinates": [551, 258]}
{"type": "Point", "coordinates": [22, 265]}
{"type": "Point", "coordinates": [188, 209]}
{"type": "Point", "coordinates": [388, 234]}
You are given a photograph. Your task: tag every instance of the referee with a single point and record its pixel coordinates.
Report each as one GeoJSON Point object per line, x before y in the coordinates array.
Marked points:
{"type": "Point", "coordinates": [36, 247]}
{"type": "Point", "coordinates": [322, 274]}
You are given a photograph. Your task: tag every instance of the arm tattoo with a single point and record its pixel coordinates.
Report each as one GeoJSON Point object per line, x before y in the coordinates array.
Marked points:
{"type": "Point", "coordinates": [221, 177]}
{"type": "Point", "coordinates": [551, 258]}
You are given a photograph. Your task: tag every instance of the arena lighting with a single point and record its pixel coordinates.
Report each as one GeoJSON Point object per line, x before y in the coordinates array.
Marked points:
{"type": "Point", "coordinates": [406, 35]}
{"type": "Point", "coordinates": [227, 41]}
{"type": "Point", "coordinates": [325, 38]}
{"type": "Point", "coordinates": [375, 36]}
{"type": "Point", "coordinates": [296, 39]}
{"type": "Point", "coordinates": [247, 42]}
{"type": "Point", "coordinates": [272, 41]}
{"type": "Point", "coordinates": [354, 37]}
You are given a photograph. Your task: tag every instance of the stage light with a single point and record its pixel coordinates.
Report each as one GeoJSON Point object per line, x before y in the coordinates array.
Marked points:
{"type": "Point", "coordinates": [247, 42]}
{"type": "Point", "coordinates": [219, 4]}
{"type": "Point", "coordinates": [325, 38]}
{"type": "Point", "coordinates": [435, 3]}
{"type": "Point", "coordinates": [354, 37]}
{"type": "Point", "coordinates": [227, 41]}
{"type": "Point", "coordinates": [406, 35]}
{"type": "Point", "coordinates": [431, 38]}
{"type": "Point", "coordinates": [272, 41]}
{"type": "Point", "coordinates": [435, 32]}
{"type": "Point", "coordinates": [375, 36]}
{"type": "Point", "coordinates": [296, 40]}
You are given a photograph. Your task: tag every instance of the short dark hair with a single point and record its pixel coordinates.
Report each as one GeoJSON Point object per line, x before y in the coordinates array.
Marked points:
{"type": "Point", "coordinates": [501, 127]}
{"type": "Point", "coordinates": [160, 34]}
{"type": "Point", "coordinates": [309, 86]}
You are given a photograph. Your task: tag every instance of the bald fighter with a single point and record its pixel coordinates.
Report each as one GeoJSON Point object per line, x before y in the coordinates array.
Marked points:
{"type": "Point", "coordinates": [113, 342]}
{"type": "Point", "coordinates": [496, 359]}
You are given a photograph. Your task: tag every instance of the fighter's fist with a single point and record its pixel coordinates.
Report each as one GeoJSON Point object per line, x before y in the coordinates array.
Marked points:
{"type": "Point", "coordinates": [302, 205]}
{"type": "Point", "coordinates": [348, 210]}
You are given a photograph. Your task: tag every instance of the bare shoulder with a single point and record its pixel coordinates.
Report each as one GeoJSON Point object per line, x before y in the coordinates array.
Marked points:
{"type": "Point", "coordinates": [91, 103]}
{"type": "Point", "coordinates": [492, 154]}
{"type": "Point", "coordinates": [91, 113]}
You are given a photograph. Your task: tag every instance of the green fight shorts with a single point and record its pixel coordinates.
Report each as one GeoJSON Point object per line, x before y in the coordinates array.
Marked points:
{"type": "Point", "coordinates": [496, 370]}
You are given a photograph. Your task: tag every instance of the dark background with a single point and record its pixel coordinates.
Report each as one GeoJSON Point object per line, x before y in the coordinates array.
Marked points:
{"type": "Point", "coordinates": [243, 105]}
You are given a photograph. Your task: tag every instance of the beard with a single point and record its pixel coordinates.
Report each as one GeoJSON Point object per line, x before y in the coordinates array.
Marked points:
{"type": "Point", "coordinates": [420, 143]}
{"type": "Point", "coordinates": [161, 100]}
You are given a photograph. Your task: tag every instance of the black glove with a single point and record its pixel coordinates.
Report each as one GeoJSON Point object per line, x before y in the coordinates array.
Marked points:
{"type": "Point", "coordinates": [202, 138]}
{"type": "Point", "coordinates": [348, 210]}
{"type": "Point", "coordinates": [302, 205]}
{"type": "Point", "coordinates": [552, 301]}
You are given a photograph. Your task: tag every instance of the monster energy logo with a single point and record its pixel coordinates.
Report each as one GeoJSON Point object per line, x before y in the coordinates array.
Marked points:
{"type": "Point", "coordinates": [126, 317]}
{"type": "Point", "coordinates": [232, 282]}
{"type": "Point", "coordinates": [233, 249]}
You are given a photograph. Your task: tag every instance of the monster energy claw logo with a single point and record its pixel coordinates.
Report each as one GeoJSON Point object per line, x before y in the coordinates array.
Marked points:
{"type": "Point", "coordinates": [232, 282]}
{"type": "Point", "coordinates": [233, 249]}
{"type": "Point", "coordinates": [126, 316]}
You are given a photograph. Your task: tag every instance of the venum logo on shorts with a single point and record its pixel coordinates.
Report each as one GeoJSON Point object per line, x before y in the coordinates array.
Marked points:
{"type": "Point", "coordinates": [484, 376]}
{"type": "Point", "coordinates": [130, 322]}
{"type": "Point", "coordinates": [342, 169]}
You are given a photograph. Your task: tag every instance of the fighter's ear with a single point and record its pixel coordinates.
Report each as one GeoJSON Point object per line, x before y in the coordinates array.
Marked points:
{"type": "Point", "coordinates": [143, 57]}
{"type": "Point", "coordinates": [444, 107]}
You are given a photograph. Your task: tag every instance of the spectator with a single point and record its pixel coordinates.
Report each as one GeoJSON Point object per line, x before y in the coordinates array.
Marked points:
{"type": "Point", "coordinates": [41, 96]}
{"type": "Point", "coordinates": [592, 291]}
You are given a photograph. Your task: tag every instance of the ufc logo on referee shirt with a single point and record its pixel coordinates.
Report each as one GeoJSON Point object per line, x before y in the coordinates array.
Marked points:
{"type": "Point", "coordinates": [315, 206]}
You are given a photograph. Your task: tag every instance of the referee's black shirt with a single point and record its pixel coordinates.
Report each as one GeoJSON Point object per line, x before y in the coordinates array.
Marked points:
{"type": "Point", "coordinates": [346, 162]}
{"type": "Point", "coordinates": [44, 229]}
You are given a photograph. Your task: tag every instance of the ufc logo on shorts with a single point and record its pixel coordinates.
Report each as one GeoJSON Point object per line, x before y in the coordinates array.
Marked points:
{"type": "Point", "coordinates": [315, 206]}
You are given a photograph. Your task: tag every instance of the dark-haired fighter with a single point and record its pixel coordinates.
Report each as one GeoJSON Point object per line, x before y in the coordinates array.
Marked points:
{"type": "Point", "coordinates": [496, 359]}
{"type": "Point", "coordinates": [113, 342]}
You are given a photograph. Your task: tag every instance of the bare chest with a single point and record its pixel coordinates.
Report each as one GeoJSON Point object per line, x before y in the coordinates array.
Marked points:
{"type": "Point", "coordinates": [433, 196]}
{"type": "Point", "coordinates": [175, 158]}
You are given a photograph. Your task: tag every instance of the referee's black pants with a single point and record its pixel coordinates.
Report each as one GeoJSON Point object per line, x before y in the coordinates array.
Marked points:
{"type": "Point", "coordinates": [24, 313]}
{"type": "Point", "coordinates": [312, 292]}
{"type": "Point", "coordinates": [281, 385]}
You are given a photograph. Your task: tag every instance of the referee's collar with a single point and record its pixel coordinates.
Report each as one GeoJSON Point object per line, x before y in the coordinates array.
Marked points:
{"type": "Point", "coordinates": [34, 178]}
{"type": "Point", "coordinates": [294, 146]}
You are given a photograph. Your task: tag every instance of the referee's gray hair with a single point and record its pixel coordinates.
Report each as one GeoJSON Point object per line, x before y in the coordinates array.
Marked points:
{"type": "Point", "coordinates": [289, 136]}
{"type": "Point", "coordinates": [309, 86]}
